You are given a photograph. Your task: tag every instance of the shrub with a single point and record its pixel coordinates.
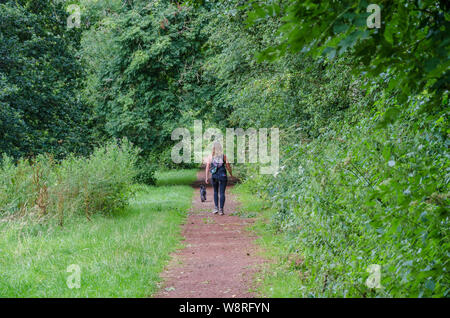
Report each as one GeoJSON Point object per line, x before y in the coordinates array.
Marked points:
{"type": "Point", "coordinates": [43, 189]}
{"type": "Point", "coordinates": [146, 172]}
{"type": "Point", "coordinates": [359, 195]}
{"type": "Point", "coordinates": [162, 160]}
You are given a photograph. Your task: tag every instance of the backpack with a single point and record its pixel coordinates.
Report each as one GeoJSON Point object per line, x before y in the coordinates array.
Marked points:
{"type": "Point", "coordinates": [215, 168]}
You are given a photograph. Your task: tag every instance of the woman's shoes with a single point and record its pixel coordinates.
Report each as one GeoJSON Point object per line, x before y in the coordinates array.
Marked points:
{"type": "Point", "coordinates": [217, 210]}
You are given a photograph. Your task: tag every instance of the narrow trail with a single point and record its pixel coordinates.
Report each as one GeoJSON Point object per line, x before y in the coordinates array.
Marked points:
{"type": "Point", "coordinates": [219, 258]}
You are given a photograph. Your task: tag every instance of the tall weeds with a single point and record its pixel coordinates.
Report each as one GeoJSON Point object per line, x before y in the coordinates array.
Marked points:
{"type": "Point", "coordinates": [42, 189]}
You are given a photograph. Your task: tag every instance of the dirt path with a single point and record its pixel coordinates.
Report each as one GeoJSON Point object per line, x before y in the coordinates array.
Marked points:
{"type": "Point", "coordinates": [219, 258]}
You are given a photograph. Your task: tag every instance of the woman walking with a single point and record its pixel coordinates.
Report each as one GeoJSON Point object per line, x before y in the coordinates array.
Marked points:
{"type": "Point", "coordinates": [218, 165]}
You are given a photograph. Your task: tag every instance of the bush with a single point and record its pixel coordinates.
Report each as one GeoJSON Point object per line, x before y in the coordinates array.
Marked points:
{"type": "Point", "coordinates": [146, 172]}
{"type": "Point", "coordinates": [162, 160]}
{"type": "Point", "coordinates": [361, 194]}
{"type": "Point", "coordinates": [43, 189]}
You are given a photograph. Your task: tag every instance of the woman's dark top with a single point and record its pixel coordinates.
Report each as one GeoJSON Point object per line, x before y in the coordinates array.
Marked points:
{"type": "Point", "coordinates": [221, 172]}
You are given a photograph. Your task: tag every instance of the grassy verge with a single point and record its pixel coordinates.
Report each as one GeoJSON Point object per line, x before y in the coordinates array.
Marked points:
{"type": "Point", "coordinates": [179, 177]}
{"type": "Point", "coordinates": [119, 255]}
{"type": "Point", "coordinates": [281, 278]}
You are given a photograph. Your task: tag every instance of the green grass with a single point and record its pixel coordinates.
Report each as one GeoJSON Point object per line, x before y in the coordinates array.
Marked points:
{"type": "Point", "coordinates": [180, 177]}
{"type": "Point", "coordinates": [120, 255]}
{"type": "Point", "coordinates": [281, 278]}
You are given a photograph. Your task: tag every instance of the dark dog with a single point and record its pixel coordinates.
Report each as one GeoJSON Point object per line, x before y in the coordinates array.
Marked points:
{"type": "Point", "coordinates": [203, 193]}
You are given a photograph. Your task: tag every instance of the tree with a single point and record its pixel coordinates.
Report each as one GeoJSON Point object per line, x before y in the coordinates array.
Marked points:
{"type": "Point", "coordinates": [39, 77]}
{"type": "Point", "coordinates": [144, 76]}
{"type": "Point", "coordinates": [409, 51]}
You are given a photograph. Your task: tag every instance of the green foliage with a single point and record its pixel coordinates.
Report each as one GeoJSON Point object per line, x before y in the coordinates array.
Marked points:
{"type": "Point", "coordinates": [294, 90]}
{"type": "Point", "coordinates": [360, 195]}
{"type": "Point", "coordinates": [144, 73]}
{"type": "Point", "coordinates": [146, 174]}
{"type": "Point", "coordinates": [163, 159]}
{"type": "Point", "coordinates": [176, 177]}
{"type": "Point", "coordinates": [364, 156]}
{"type": "Point", "coordinates": [410, 50]}
{"type": "Point", "coordinates": [44, 190]}
{"type": "Point", "coordinates": [363, 116]}
{"type": "Point", "coordinates": [39, 81]}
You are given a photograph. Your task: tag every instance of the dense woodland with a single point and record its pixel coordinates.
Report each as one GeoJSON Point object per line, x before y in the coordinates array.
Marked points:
{"type": "Point", "coordinates": [363, 115]}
